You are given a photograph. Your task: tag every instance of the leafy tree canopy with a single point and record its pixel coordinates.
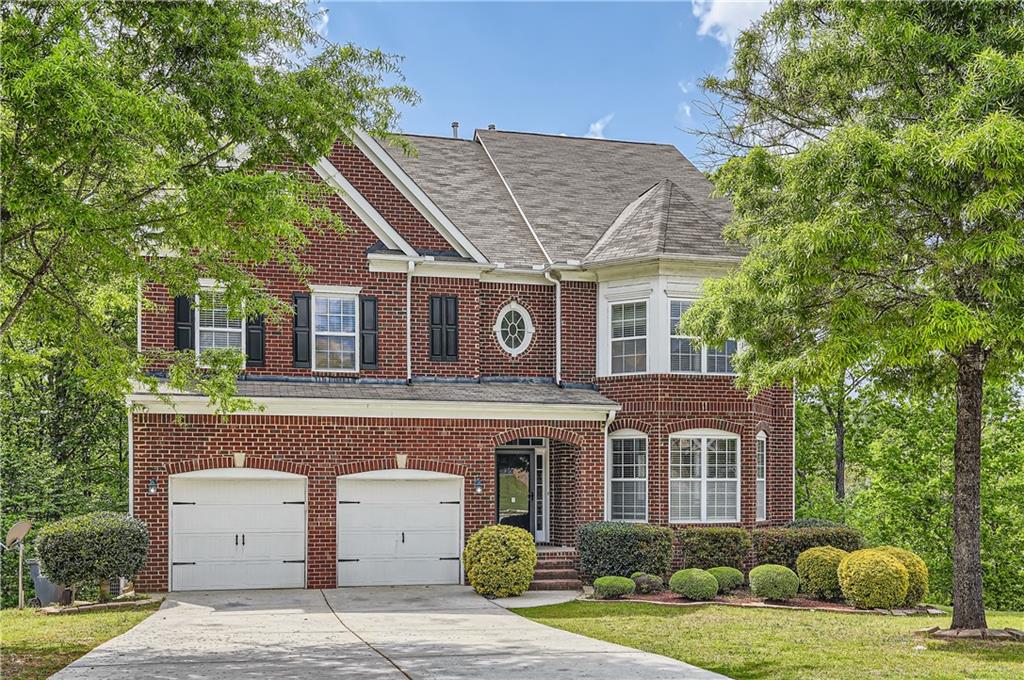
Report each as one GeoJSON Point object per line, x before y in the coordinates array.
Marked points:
{"type": "Point", "coordinates": [130, 131]}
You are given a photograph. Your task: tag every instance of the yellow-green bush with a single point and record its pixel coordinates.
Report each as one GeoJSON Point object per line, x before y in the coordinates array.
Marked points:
{"type": "Point", "coordinates": [499, 560]}
{"type": "Point", "coordinates": [694, 584]}
{"type": "Point", "coordinates": [613, 587]}
{"type": "Point", "coordinates": [818, 569]}
{"type": "Point", "coordinates": [773, 582]}
{"type": "Point", "coordinates": [917, 573]}
{"type": "Point", "coordinates": [872, 579]}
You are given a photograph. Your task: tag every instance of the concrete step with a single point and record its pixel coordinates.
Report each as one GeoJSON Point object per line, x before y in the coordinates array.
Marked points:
{"type": "Point", "coordinates": [556, 564]}
{"type": "Point", "coordinates": [558, 584]}
{"type": "Point", "coordinates": [554, 574]}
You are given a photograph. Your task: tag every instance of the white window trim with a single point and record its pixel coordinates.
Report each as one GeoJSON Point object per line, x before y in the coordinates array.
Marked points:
{"type": "Point", "coordinates": [332, 292]}
{"type": "Point", "coordinates": [211, 286]}
{"type": "Point", "coordinates": [528, 337]}
{"type": "Point", "coordinates": [704, 435]}
{"type": "Point", "coordinates": [761, 449]}
{"type": "Point", "coordinates": [703, 349]}
{"type": "Point", "coordinates": [647, 335]}
{"type": "Point", "coordinates": [609, 457]}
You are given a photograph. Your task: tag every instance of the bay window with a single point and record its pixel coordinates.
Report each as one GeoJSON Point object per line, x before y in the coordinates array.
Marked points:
{"type": "Point", "coordinates": [686, 356]}
{"type": "Point", "coordinates": [628, 478]}
{"type": "Point", "coordinates": [629, 337]}
{"type": "Point", "coordinates": [704, 477]}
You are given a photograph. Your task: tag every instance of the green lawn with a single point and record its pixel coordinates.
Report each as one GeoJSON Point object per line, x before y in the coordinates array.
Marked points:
{"type": "Point", "coordinates": [765, 643]}
{"type": "Point", "coordinates": [36, 646]}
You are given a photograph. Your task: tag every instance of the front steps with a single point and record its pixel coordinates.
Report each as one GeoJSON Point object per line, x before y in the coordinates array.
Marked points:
{"type": "Point", "coordinates": [556, 569]}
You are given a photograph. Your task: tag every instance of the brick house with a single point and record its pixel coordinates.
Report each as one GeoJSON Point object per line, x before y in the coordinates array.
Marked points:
{"type": "Point", "coordinates": [491, 340]}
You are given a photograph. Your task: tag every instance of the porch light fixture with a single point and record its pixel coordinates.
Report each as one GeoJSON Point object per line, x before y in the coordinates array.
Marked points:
{"type": "Point", "coordinates": [478, 485]}
{"type": "Point", "coordinates": [151, 487]}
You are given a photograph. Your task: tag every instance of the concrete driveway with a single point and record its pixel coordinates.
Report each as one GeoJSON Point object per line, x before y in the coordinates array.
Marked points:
{"type": "Point", "coordinates": [407, 632]}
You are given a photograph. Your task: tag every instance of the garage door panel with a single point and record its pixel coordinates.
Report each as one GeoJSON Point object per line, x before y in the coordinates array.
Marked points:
{"type": "Point", "coordinates": [410, 491]}
{"type": "Point", "coordinates": [211, 546]}
{"type": "Point", "coordinates": [202, 518]}
{"type": "Point", "coordinates": [274, 544]}
{"type": "Point", "coordinates": [233, 492]}
{"type": "Point", "coordinates": [373, 572]}
{"type": "Point", "coordinates": [238, 575]}
{"type": "Point", "coordinates": [403, 516]}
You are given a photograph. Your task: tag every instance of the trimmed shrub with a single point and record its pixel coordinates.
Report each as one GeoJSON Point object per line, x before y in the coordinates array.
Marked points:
{"type": "Point", "coordinates": [613, 587]}
{"type": "Point", "coordinates": [811, 522]}
{"type": "Point", "coordinates": [783, 546]}
{"type": "Point", "coordinates": [694, 584]}
{"type": "Point", "coordinates": [647, 583]}
{"type": "Point", "coordinates": [706, 547]}
{"type": "Point", "coordinates": [917, 573]}
{"type": "Point", "coordinates": [499, 560]}
{"type": "Point", "coordinates": [774, 582]}
{"type": "Point", "coordinates": [90, 548]}
{"type": "Point", "coordinates": [818, 569]}
{"type": "Point", "coordinates": [872, 579]}
{"type": "Point", "coordinates": [729, 579]}
{"type": "Point", "coordinates": [621, 548]}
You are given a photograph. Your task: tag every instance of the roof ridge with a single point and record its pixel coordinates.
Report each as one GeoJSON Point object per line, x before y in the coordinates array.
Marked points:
{"type": "Point", "coordinates": [579, 137]}
{"type": "Point", "coordinates": [696, 205]}
{"type": "Point", "coordinates": [667, 219]}
{"type": "Point", "coordinates": [621, 218]}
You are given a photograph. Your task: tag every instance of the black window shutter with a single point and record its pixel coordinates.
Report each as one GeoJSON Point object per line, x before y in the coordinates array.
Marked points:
{"type": "Point", "coordinates": [255, 347]}
{"type": "Point", "coordinates": [368, 332]}
{"type": "Point", "coordinates": [444, 328]}
{"type": "Point", "coordinates": [184, 323]}
{"type": "Point", "coordinates": [301, 334]}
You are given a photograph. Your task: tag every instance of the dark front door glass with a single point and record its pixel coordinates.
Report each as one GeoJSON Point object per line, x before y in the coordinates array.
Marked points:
{"type": "Point", "coordinates": [514, 490]}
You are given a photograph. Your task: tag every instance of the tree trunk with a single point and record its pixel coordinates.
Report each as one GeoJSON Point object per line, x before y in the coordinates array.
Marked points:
{"type": "Point", "coordinates": [840, 427]}
{"type": "Point", "coordinates": [968, 603]}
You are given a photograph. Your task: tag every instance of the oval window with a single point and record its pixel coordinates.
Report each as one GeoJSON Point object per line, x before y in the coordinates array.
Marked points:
{"type": "Point", "coordinates": [514, 328]}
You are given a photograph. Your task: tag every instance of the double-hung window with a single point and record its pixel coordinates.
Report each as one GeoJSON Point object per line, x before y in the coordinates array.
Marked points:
{"type": "Point", "coordinates": [685, 354]}
{"type": "Point", "coordinates": [629, 337]}
{"type": "Point", "coordinates": [628, 478]}
{"type": "Point", "coordinates": [217, 327]}
{"type": "Point", "coordinates": [704, 477]}
{"type": "Point", "coordinates": [762, 477]}
{"type": "Point", "coordinates": [334, 332]}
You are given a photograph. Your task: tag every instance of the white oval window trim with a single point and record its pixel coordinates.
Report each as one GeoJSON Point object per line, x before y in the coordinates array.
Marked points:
{"type": "Point", "coordinates": [514, 328]}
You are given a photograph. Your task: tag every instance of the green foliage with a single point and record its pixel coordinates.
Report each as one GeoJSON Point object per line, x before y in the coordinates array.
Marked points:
{"type": "Point", "coordinates": [811, 522]}
{"type": "Point", "coordinates": [694, 584]}
{"type": "Point", "coordinates": [706, 547]}
{"type": "Point", "coordinates": [130, 130]}
{"type": "Point", "coordinates": [622, 548]}
{"type": "Point", "coordinates": [729, 579]}
{"type": "Point", "coordinates": [499, 560]}
{"type": "Point", "coordinates": [613, 587]}
{"type": "Point", "coordinates": [917, 573]}
{"type": "Point", "coordinates": [89, 548]}
{"type": "Point", "coordinates": [647, 583]}
{"type": "Point", "coordinates": [783, 546]}
{"type": "Point", "coordinates": [818, 569]}
{"type": "Point", "coordinates": [871, 579]}
{"type": "Point", "coordinates": [773, 582]}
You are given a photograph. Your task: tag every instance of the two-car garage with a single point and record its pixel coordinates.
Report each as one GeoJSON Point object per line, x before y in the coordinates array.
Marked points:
{"type": "Point", "coordinates": [239, 528]}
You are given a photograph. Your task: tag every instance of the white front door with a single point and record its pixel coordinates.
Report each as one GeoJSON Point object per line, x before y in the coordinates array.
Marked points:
{"type": "Point", "coordinates": [237, 533]}
{"type": "Point", "coordinates": [399, 531]}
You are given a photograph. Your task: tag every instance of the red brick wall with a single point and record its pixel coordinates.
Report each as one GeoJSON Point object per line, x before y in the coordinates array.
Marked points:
{"type": "Point", "coordinates": [324, 447]}
{"type": "Point", "coordinates": [660, 405]}
{"type": "Point", "coordinates": [539, 358]}
{"type": "Point", "coordinates": [579, 331]}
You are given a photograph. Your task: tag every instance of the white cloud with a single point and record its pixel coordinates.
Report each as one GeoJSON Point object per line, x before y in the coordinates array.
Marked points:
{"type": "Point", "coordinates": [724, 20]}
{"type": "Point", "coordinates": [685, 111]}
{"type": "Point", "coordinates": [596, 130]}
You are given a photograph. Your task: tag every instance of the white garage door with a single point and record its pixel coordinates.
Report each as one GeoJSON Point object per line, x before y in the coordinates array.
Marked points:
{"type": "Point", "coordinates": [399, 527]}
{"type": "Point", "coordinates": [229, 532]}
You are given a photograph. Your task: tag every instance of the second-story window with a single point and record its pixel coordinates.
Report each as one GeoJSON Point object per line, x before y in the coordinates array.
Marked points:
{"type": "Point", "coordinates": [685, 354]}
{"type": "Point", "coordinates": [217, 327]}
{"type": "Point", "coordinates": [334, 332]}
{"type": "Point", "coordinates": [629, 337]}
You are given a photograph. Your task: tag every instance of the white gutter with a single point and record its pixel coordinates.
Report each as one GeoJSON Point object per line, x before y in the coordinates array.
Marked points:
{"type": "Point", "coordinates": [558, 325]}
{"type": "Point", "coordinates": [408, 321]}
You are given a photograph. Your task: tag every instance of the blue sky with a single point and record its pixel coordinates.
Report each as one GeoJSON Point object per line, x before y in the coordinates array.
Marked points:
{"type": "Point", "coordinates": [617, 70]}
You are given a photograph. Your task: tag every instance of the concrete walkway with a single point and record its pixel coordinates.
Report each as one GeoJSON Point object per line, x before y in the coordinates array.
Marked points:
{"type": "Point", "coordinates": [407, 632]}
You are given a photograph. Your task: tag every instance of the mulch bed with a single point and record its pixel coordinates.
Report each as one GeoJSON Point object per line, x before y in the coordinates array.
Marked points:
{"type": "Point", "coordinates": [100, 606]}
{"type": "Point", "coordinates": [744, 598]}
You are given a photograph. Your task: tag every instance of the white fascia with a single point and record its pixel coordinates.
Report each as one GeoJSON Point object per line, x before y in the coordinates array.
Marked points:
{"type": "Point", "coordinates": [362, 208]}
{"type": "Point", "coordinates": [372, 149]}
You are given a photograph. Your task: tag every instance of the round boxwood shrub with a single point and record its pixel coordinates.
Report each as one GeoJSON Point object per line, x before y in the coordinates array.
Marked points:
{"type": "Point", "coordinates": [613, 587]}
{"type": "Point", "coordinates": [694, 584]}
{"type": "Point", "coordinates": [871, 579]}
{"type": "Point", "coordinates": [729, 579]}
{"type": "Point", "coordinates": [622, 548]}
{"type": "Point", "coordinates": [499, 560]}
{"type": "Point", "coordinates": [90, 548]}
{"type": "Point", "coordinates": [917, 573]}
{"type": "Point", "coordinates": [818, 569]}
{"type": "Point", "coordinates": [773, 582]}
{"type": "Point", "coordinates": [647, 583]}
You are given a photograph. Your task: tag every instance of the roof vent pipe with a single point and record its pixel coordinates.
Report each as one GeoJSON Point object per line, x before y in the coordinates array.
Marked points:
{"type": "Point", "coordinates": [490, 126]}
{"type": "Point", "coordinates": [455, 129]}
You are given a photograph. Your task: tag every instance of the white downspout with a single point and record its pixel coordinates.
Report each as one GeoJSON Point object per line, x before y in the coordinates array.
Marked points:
{"type": "Point", "coordinates": [604, 461]}
{"type": "Point", "coordinates": [408, 322]}
{"type": "Point", "coordinates": [558, 325]}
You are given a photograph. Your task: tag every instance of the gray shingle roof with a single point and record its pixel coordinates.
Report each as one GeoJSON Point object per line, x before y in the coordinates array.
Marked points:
{"type": "Point", "coordinates": [572, 191]}
{"type": "Point", "coordinates": [496, 392]}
